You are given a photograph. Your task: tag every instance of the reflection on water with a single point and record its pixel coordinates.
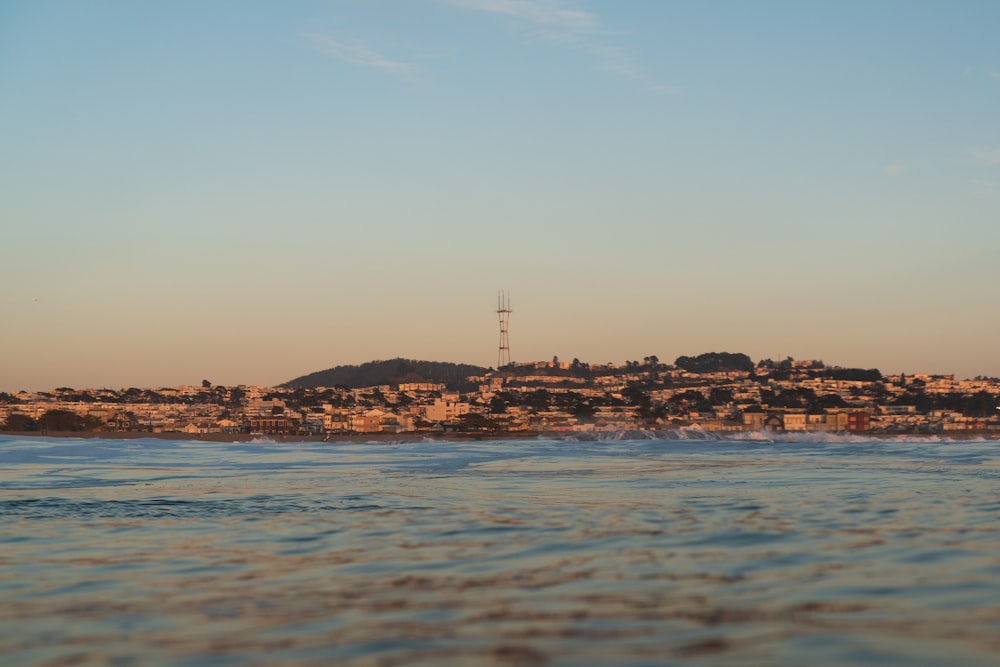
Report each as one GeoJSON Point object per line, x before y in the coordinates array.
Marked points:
{"type": "Point", "coordinates": [638, 552]}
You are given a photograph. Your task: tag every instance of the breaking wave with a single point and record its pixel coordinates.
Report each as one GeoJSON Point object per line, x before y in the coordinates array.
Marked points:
{"type": "Point", "coordinates": [695, 434]}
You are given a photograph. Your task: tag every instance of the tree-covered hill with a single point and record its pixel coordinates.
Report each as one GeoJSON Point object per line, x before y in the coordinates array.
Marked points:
{"type": "Point", "coordinates": [715, 362]}
{"type": "Point", "coordinates": [392, 371]}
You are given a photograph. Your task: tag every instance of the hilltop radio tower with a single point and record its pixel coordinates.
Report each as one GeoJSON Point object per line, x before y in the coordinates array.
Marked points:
{"type": "Point", "coordinates": [503, 312]}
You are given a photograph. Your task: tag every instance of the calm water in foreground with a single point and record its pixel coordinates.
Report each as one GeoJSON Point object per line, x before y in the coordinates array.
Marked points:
{"type": "Point", "coordinates": [629, 552]}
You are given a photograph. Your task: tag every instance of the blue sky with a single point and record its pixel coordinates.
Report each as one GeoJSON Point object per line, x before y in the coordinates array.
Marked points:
{"type": "Point", "coordinates": [249, 191]}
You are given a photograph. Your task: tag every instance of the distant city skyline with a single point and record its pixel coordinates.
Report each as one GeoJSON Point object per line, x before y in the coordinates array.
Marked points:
{"type": "Point", "coordinates": [249, 192]}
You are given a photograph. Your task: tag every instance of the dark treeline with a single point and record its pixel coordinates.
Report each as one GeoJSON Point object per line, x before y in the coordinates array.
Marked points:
{"type": "Point", "coordinates": [53, 420]}
{"type": "Point", "coordinates": [715, 362]}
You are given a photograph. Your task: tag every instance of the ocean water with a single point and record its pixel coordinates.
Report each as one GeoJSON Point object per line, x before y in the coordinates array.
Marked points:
{"type": "Point", "coordinates": [829, 551]}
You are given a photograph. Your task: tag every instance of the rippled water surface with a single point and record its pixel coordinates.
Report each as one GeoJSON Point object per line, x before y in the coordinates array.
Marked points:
{"type": "Point", "coordinates": [630, 552]}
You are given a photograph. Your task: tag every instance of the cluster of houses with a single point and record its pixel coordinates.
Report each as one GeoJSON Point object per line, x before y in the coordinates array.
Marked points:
{"type": "Point", "coordinates": [545, 397]}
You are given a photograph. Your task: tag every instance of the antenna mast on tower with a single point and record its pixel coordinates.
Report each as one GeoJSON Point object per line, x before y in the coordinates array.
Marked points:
{"type": "Point", "coordinates": [503, 312]}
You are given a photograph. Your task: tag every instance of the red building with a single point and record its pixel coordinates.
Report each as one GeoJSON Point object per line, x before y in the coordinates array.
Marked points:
{"type": "Point", "coordinates": [858, 421]}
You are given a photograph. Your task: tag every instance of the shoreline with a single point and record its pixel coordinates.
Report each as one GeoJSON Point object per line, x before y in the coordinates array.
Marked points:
{"type": "Point", "coordinates": [416, 437]}
{"type": "Point", "coordinates": [277, 437]}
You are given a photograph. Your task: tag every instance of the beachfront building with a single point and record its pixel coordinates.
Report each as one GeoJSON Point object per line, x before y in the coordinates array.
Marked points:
{"type": "Point", "coordinates": [442, 410]}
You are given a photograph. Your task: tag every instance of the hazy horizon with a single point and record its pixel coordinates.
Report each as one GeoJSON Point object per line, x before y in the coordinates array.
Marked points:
{"type": "Point", "coordinates": [250, 192]}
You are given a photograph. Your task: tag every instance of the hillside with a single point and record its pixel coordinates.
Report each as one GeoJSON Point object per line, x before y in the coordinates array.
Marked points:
{"type": "Point", "coordinates": [392, 371]}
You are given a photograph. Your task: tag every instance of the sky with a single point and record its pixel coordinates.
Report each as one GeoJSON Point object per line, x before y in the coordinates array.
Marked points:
{"type": "Point", "coordinates": [247, 191]}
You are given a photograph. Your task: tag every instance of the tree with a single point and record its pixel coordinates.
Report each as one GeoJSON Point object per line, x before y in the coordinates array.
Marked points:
{"type": "Point", "coordinates": [537, 400]}
{"type": "Point", "coordinates": [64, 420]}
{"type": "Point", "coordinates": [855, 374]}
{"type": "Point", "coordinates": [645, 409]}
{"type": "Point", "coordinates": [915, 396]}
{"type": "Point", "coordinates": [794, 397]}
{"type": "Point", "coordinates": [582, 409]}
{"type": "Point", "coordinates": [691, 400]}
{"type": "Point", "coordinates": [980, 404]}
{"type": "Point", "coordinates": [579, 369]}
{"type": "Point", "coordinates": [720, 395]}
{"type": "Point", "coordinates": [715, 362]}
{"type": "Point", "coordinates": [473, 421]}
{"type": "Point", "coordinates": [206, 384]}
{"type": "Point", "coordinates": [19, 422]}
{"type": "Point", "coordinates": [236, 396]}
{"type": "Point", "coordinates": [830, 401]}
{"type": "Point", "coordinates": [498, 405]}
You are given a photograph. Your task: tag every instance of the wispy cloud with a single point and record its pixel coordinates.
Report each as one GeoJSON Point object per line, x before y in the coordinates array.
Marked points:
{"type": "Point", "coordinates": [357, 54]}
{"type": "Point", "coordinates": [986, 157]}
{"type": "Point", "coordinates": [994, 74]}
{"type": "Point", "coordinates": [613, 59]}
{"type": "Point", "coordinates": [549, 16]}
{"type": "Point", "coordinates": [895, 168]}
{"type": "Point", "coordinates": [554, 21]}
